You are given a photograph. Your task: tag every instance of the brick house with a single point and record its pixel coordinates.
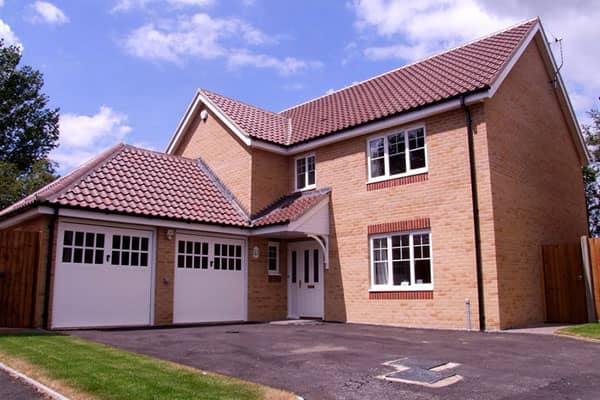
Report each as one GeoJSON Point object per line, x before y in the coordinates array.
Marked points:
{"type": "Point", "coordinates": [390, 201]}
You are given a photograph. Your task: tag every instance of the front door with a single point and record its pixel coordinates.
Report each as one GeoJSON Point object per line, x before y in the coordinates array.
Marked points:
{"type": "Point", "coordinates": [305, 280]}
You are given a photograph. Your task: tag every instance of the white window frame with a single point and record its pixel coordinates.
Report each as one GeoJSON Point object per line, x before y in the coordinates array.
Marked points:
{"type": "Point", "coordinates": [307, 186]}
{"type": "Point", "coordinates": [276, 271]}
{"type": "Point", "coordinates": [390, 287]}
{"type": "Point", "coordinates": [386, 176]}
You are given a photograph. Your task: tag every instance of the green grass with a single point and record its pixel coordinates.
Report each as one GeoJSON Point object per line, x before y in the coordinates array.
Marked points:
{"type": "Point", "coordinates": [591, 330]}
{"type": "Point", "coordinates": [107, 373]}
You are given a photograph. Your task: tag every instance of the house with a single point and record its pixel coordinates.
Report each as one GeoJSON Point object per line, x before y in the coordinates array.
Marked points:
{"type": "Point", "coordinates": [420, 197]}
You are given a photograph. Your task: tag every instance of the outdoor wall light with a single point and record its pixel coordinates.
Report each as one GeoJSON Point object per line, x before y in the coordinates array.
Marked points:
{"type": "Point", "coordinates": [170, 233]}
{"type": "Point", "coordinates": [255, 252]}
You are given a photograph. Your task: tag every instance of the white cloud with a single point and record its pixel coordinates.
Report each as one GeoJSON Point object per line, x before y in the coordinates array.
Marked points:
{"type": "Point", "coordinates": [9, 37]}
{"type": "Point", "coordinates": [201, 36]}
{"type": "Point", "coordinates": [48, 13]}
{"type": "Point", "coordinates": [81, 136]}
{"type": "Point", "coordinates": [1, 3]}
{"type": "Point", "coordinates": [126, 5]}
{"type": "Point", "coordinates": [413, 30]}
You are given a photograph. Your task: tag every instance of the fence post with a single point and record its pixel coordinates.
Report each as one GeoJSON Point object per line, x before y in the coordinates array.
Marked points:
{"type": "Point", "coordinates": [587, 275]}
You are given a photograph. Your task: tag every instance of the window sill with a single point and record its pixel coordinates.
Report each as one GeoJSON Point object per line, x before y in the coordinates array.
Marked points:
{"type": "Point", "coordinates": [305, 188]}
{"type": "Point", "coordinates": [414, 288]}
{"type": "Point", "coordinates": [397, 176]}
{"type": "Point", "coordinates": [400, 294]}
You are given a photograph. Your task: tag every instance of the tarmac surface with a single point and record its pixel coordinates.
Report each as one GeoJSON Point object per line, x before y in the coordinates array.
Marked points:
{"type": "Point", "coordinates": [327, 361]}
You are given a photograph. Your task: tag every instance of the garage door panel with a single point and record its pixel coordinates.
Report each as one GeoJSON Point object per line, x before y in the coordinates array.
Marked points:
{"type": "Point", "coordinates": [91, 288]}
{"type": "Point", "coordinates": [210, 280]}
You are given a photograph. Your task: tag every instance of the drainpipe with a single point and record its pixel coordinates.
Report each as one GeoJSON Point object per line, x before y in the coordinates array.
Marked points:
{"type": "Point", "coordinates": [476, 224]}
{"type": "Point", "coordinates": [51, 227]}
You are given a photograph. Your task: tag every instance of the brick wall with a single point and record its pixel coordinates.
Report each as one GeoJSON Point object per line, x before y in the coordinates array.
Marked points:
{"type": "Point", "coordinates": [165, 270]}
{"type": "Point", "coordinates": [267, 296]}
{"type": "Point", "coordinates": [269, 178]}
{"type": "Point", "coordinates": [538, 193]}
{"type": "Point", "coordinates": [444, 197]}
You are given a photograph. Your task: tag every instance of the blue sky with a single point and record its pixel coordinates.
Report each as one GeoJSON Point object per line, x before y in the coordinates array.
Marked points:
{"type": "Point", "coordinates": [125, 70]}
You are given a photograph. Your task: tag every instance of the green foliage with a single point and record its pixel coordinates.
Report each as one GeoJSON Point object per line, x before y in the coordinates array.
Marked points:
{"type": "Point", "coordinates": [591, 173]}
{"type": "Point", "coordinates": [591, 330]}
{"type": "Point", "coordinates": [103, 372]}
{"type": "Point", "coordinates": [28, 129]}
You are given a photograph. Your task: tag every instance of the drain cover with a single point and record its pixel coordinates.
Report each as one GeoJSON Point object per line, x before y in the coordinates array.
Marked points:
{"type": "Point", "coordinates": [421, 375]}
{"type": "Point", "coordinates": [417, 363]}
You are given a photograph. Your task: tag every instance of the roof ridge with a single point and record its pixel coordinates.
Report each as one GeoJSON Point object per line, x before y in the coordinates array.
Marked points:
{"type": "Point", "coordinates": [223, 189]}
{"type": "Point", "coordinates": [160, 153]}
{"type": "Point", "coordinates": [242, 102]}
{"type": "Point", "coordinates": [413, 63]}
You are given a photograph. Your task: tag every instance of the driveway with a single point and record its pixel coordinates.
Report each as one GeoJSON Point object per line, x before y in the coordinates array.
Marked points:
{"type": "Point", "coordinates": [342, 361]}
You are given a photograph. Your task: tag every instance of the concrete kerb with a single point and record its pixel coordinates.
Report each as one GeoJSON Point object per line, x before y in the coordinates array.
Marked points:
{"type": "Point", "coordinates": [32, 382]}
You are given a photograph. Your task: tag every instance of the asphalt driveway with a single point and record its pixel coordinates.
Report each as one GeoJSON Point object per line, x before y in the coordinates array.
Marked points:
{"type": "Point", "coordinates": [342, 361]}
{"type": "Point", "coordinates": [13, 389]}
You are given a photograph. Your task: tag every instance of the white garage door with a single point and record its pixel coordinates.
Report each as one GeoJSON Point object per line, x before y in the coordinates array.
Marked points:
{"type": "Point", "coordinates": [103, 277]}
{"type": "Point", "coordinates": [210, 280]}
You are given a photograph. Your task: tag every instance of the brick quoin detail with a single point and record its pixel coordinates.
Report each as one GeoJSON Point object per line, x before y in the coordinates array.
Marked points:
{"type": "Point", "coordinates": [398, 181]}
{"type": "Point", "coordinates": [400, 226]}
{"type": "Point", "coordinates": [412, 295]}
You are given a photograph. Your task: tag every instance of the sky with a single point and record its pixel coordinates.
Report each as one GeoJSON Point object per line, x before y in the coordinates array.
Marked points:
{"type": "Point", "coordinates": [125, 70]}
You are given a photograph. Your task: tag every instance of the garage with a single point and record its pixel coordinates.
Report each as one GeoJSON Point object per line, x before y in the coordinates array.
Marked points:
{"type": "Point", "coordinates": [210, 279]}
{"type": "Point", "coordinates": [103, 276]}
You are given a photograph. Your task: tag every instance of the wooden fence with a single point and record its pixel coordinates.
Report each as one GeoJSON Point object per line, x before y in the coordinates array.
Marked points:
{"type": "Point", "coordinates": [19, 263]}
{"type": "Point", "coordinates": [594, 249]}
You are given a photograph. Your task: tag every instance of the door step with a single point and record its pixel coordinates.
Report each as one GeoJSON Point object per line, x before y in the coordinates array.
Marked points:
{"type": "Point", "coordinates": [297, 322]}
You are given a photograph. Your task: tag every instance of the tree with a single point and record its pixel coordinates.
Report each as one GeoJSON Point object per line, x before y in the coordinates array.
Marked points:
{"type": "Point", "coordinates": [591, 173]}
{"type": "Point", "coordinates": [28, 129]}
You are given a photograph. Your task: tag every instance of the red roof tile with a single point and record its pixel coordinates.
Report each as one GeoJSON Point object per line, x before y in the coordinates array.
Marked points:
{"type": "Point", "coordinates": [289, 208]}
{"type": "Point", "coordinates": [459, 71]}
{"type": "Point", "coordinates": [140, 182]}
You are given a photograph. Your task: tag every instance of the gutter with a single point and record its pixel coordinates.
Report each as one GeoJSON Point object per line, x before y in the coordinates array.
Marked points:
{"type": "Point", "coordinates": [476, 221]}
{"type": "Point", "coordinates": [51, 228]}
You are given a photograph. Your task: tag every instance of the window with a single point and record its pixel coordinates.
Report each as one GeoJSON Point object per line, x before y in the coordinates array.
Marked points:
{"type": "Point", "coordinates": [401, 261]}
{"type": "Point", "coordinates": [83, 247]}
{"type": "Point", "coordinates": [397, 154]}
{"type": "Point", "coordinates": [129, 251]}
{"type": "Point", "coordinates": [227, 257]}
{"type": "Point", "coordinates": [305, 173]}
{"type": "Point", "coordinates": [273, 258]}
{"type": "Point", "coordinates": [192, 254]}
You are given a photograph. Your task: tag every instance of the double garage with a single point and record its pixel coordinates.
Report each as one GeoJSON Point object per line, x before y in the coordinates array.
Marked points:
{"type": "Point", "coordinates": [106, 276]}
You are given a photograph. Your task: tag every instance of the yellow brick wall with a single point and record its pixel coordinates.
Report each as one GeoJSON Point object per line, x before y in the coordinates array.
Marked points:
{"type": "Point", "coordinates": [445, 198]}
{"type": "Point", "coordinates": [537, 187]}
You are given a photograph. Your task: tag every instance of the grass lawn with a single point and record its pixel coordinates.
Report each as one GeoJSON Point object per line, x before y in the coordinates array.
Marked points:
{"type": "Point", "coordinates": [85, 370]}
{"type": "Point", "coordinates": [591, 330]}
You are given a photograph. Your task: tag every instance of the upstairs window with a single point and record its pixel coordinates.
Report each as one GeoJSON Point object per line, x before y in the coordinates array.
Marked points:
{"type": "Point", "coordinates": [397, 154]}
{"type": "Point", "coordinates": [305, 173]}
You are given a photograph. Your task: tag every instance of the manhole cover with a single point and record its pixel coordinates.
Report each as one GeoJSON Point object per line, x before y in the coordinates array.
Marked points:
{"type": "Point", "coordinates": [420, 375]}
{"type": "Point", "coordinates": [409, 362]}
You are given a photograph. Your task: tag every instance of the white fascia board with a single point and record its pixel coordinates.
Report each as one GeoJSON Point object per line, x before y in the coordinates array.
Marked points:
{"type": "Point", "coordinates": [515, 57]}
{"type": "Point", "coordinates": [566, 97]}
{"type": "Point", "coordinates": [374, 126]}
{"type": "Point", "coordinates": [25, 216]}
{"type": "Point", "coordinates": [126, 219]}
{"type": "Point", "coordinates": [198, 99]}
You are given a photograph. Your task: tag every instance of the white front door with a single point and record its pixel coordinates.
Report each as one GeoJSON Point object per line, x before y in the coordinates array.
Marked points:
{"type": "Point", "coordinates": [103, 276]}
{"type": "Point", "coordinates": [210, 280]}
{"type": "Point", "coordinates": [305, 280]}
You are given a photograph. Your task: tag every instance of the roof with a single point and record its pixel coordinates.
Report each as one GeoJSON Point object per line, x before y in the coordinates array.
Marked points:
{"type": "Point", "coordinates": [289, 208]}
{"type": "Point", "coordinates": [466, 69]}
{"type": "Point", "coordinates": [135, 181]}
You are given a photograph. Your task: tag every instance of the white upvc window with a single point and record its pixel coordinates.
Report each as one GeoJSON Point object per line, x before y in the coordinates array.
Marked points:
{"type": "Point", "coordinates": [273, 258]}
{"type": "Point", "coordinates": [401, 261]}
{"type": "Point", "coordinates": [306, 172]}
{"type": "Point", "coordinates": [397, 154]}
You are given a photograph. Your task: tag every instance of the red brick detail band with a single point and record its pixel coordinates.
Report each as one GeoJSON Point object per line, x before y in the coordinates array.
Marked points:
{"type": "Point", "coordinates": [412, 295]}
{"type": "Point", "coordinates": [399, 226]}
{"type": "Point", "coordinates": [398, 181]}
{"type": "Point", "coordinates": [274, 278]}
